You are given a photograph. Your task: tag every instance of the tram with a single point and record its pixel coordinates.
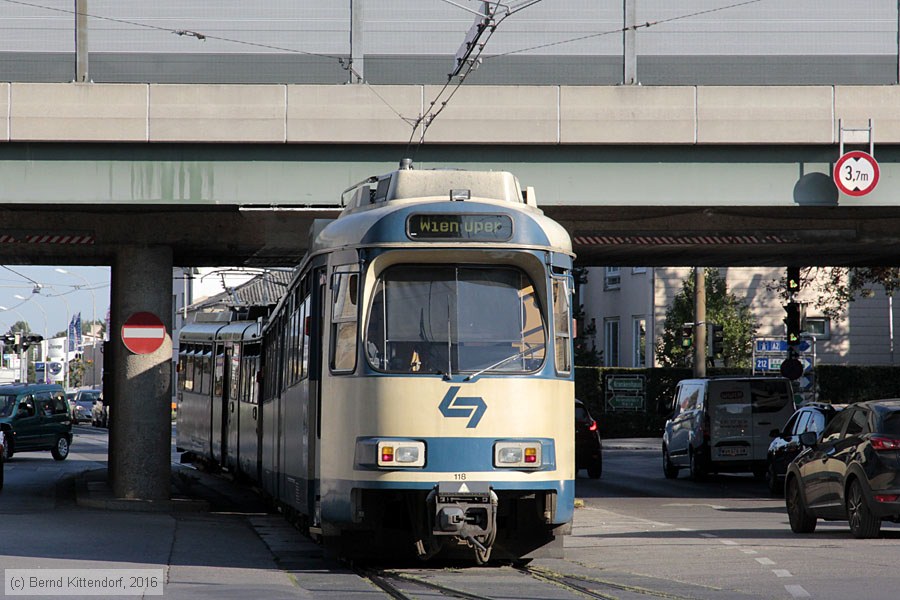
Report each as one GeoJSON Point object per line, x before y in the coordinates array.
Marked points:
{"type": "Point", "coordinates": [412, 392]}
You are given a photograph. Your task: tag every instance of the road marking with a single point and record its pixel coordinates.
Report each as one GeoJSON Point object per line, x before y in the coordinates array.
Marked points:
{"type": "Point", "coordinates": [708, 535]}
{"type": "Point", "coordinates": [797, 591]}
{"type": "Point", "coordinates": [782, 573]}
{"type": "Point", "coordinates": [685, 530]}
{"type": "Point", "coordinates": [729, 542]}
{"type": "Point", "coordinates": [765, 561]}
{"type": "Point", "coordinates": [748, 551]}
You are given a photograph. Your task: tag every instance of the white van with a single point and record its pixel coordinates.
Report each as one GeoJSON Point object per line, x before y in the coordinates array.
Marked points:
{"type": "Point", "coordinates": [722, 424]}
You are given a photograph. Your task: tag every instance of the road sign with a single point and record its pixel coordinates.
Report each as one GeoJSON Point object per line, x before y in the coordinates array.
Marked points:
{"type": "Point", "coordinates": [780, 346]}
{"type": "Point", "coordinates": [625, 392]}
{"type": "Point", "coordinates": [856, 173]}
{"type": "Point", "coordinates": [143, 333]}
{"type": "Point", "coordinates": [791, 368]}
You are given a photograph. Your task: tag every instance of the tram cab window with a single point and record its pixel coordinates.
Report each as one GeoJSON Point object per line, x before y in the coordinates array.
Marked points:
{"type": "Point", "coordinates": [441, 319]}
{"type": "Point", "coordinates": [345, 287]}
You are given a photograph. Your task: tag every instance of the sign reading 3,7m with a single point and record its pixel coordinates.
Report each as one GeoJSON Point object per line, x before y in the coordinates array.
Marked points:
{"type": "Point", "coordinates": [856, 173]}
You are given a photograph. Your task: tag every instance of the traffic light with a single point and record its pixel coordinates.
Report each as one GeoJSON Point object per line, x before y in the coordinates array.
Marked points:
{"type": "Point", "coordinates": [793, 280]}
{"type": "Point", "coordinates": [716, 340]}
{"type": "Point", "coordinates": [792, 322]}
{"type": "Point", "coordinates": [687, 335]}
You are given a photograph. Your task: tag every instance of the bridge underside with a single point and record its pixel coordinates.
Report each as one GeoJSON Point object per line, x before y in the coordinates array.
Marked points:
{"type": "Point", "coordinates": [602, 235]}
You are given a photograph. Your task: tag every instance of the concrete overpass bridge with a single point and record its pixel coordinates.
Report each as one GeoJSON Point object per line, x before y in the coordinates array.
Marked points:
{"type": "Point", "coordinates": [144, 177]}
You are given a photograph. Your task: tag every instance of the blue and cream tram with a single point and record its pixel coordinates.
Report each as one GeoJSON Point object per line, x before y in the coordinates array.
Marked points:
{"type": "Point", "coordinates": [416, 379]}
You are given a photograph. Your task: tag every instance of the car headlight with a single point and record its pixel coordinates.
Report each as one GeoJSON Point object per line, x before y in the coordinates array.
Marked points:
{"type": "Point", "coordinates": [518, 454]}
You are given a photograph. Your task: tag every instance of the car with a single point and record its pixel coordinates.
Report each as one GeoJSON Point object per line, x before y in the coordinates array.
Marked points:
{"type": "Point", "coordinates": [83, 405]}
{"type": "Point", "coordinates": [850, 472]}
{"type": "Point", "coordinates": [588, 445]}
{"type": "Point", "coordinates": [37, 417]}
{"type": "Point", "coordinates": [722, 424]}
{"type": "Point", "coordinates": [785, 445]}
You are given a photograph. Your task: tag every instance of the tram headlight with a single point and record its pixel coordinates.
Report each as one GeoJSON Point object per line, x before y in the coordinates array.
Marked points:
{"type": "Point", "coordinates": [517, 454]}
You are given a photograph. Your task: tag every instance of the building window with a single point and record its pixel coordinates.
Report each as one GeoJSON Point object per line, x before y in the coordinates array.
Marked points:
{"type": "Point", "coordinates": [611, 343]}
{"type": "Point", "coordinates": [639, 341]}
{"type": "Point", "coordinates": [820, 327]}
{"type": "Point", "coordinates": [612, 278]}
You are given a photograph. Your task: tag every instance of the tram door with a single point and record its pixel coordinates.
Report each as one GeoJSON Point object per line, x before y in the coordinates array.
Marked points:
{"type": "Point", "coordinates": [231, 435]}
{"type": "Point", "coordinates": [218, 398]}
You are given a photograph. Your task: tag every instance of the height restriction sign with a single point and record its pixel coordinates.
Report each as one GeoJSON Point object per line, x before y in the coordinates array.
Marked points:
{"type": "Point", "coordinates": [856, 173]}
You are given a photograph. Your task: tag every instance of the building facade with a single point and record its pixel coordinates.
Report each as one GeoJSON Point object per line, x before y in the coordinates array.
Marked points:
{"type": "Point", "coordinates": [628, 307]}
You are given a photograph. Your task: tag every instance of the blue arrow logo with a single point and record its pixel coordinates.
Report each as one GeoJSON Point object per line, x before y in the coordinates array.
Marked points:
{"type": "Point", "coordinates": [471, 408]}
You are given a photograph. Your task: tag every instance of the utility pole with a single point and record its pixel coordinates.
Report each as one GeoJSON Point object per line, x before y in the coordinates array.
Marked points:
{"type": "Point", "coordinates": [82, 74]}
{"type": "Point", "coordinates": [699, 322]}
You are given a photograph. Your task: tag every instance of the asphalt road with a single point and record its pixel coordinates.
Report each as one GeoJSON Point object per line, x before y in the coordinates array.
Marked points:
{"type": "Point", "coordinates": [637, 535]}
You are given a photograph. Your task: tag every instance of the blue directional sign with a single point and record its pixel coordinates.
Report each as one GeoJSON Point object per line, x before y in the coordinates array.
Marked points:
{"type": "Point", "coordinates": [779, 346]}
{"type": "Point", "coordinates": [762, 364]}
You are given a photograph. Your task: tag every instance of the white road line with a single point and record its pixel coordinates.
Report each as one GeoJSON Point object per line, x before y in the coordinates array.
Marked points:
{"type": "Point", "coordinates": [685, 530]}
{"type": "Point", "coordinates": [748, 551]}
{"type": "Point", "coordinates": [765, 561]}
{"type": "Point", "coordinates": [708, 535]}
{"type": "Point", "coordinates": [729, 542]}
{"type": "Point", "coordinates": [797, 591]}
{"type": "Point", "coordinates": [782, 573]}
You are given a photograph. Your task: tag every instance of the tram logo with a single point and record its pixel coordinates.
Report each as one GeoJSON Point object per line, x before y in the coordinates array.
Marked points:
{"type": "Point", "coordinates": [470, 408]}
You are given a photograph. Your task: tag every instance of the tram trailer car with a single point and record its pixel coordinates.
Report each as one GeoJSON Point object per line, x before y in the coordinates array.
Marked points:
{"type": "Point", "coordinates": [416, 385]}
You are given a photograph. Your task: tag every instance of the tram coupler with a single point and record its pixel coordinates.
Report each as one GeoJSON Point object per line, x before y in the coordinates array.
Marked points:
{"type": "Point", "coordinates": [464, 509]}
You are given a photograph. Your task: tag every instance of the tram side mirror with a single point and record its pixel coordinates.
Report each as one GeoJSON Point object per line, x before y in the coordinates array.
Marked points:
{"type": "Point", "coordinates": [808, 438]}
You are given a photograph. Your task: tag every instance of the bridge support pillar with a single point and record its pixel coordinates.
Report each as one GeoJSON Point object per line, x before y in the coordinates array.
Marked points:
{"type": "Point", "coordinates": [140, 411]}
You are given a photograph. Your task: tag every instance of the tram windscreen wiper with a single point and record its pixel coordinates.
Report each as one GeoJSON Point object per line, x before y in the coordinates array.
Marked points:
{"type": "Point", "coordinates": [500, 363]}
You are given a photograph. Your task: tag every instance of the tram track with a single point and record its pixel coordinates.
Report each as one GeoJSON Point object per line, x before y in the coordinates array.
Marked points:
{"type": "Point", "coordinates": [534, 582]}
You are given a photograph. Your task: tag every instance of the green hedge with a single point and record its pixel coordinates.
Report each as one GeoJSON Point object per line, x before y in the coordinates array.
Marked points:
{"type": "Point", "coordinates": [840, 384]}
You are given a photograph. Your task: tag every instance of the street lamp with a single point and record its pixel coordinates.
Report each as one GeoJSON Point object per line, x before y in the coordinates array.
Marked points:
{"type": "Point", "coordinates": [93, 319]}
{"type": "Point", "coordinates": [40, 308]}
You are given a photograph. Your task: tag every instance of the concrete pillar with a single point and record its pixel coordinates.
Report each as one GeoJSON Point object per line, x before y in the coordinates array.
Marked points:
{"type": "Point", "coordinates": [140, 414]}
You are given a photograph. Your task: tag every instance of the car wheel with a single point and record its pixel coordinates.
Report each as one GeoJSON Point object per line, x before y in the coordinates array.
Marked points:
{"type": "Point", "coordinates": [863, 524]}
{"type": "Point", "coordinates": [595, 469]}
{"type": "Point", "coordinates": [61, 450]}
{"type": "Point", "coordinates": [696, 469]}
{"type": "Point", "coordinates": [776, 487]}
{"type": "Point", "coordinates": [801, 519]}
{"type": "Point", "coordinates": [669, 470]}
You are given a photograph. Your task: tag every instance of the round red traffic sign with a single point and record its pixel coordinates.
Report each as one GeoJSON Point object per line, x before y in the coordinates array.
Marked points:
{"type": "Point", "coordinates": [856, 173]}
{"type": "Point", "coordinates": [143, 333]}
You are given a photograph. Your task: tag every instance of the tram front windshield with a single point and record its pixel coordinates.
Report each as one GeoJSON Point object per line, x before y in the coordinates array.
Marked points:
{"type": "Point", "coordinates": [449, 319]}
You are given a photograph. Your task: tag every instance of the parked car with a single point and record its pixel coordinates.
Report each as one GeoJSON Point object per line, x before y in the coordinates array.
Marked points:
{"type": "Point", "coordinates": [588, 445]}
{"type": "Point", "coordinates": [38, 418]}
{"type": "Point", "coordinates": [3, 429]}
{"type": "Point", "coordinates": [851, 472]}
{"type": "Point", "coordinates": [786, 445]}
{"type": "Point", "coordinates": [722, 424]}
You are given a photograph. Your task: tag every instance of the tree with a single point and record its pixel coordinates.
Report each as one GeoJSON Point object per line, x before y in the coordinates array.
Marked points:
{"type": "Point", "coordinates": [722, 308]}
{"type": "Point", "coordinates": [834, 288]}
{"type": "Point", "coordinates": [586, 353]}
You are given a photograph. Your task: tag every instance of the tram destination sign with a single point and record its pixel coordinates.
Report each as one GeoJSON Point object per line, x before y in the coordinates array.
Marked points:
{"type": "Point", "coordinates": [434, 226]}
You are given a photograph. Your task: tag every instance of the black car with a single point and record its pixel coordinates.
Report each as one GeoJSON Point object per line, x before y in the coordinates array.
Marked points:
{"type": "Point", "coordinates": [850, 473]}
{"type": "Point", "coordinates": [786, 445]}
{"type": "Point", "coordinates": [588, 446]}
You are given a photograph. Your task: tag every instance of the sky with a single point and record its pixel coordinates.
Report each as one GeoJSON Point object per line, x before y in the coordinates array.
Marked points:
{"type": "Point", "coordinates": [47, 296]}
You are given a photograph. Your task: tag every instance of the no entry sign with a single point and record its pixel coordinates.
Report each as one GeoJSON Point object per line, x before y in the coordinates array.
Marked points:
{"type": "Point", "coordinates": [856, 173]}
{"type": "Point", "coordinates": [143, 333]}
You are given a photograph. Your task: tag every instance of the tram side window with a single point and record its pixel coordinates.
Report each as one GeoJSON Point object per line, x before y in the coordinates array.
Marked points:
{"type": "Point", "coordinates": [345, 285]}
{"type": "Point", "coordinates": [561, 325]}
{"type": "Point", "coordinates": [303, 338]}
